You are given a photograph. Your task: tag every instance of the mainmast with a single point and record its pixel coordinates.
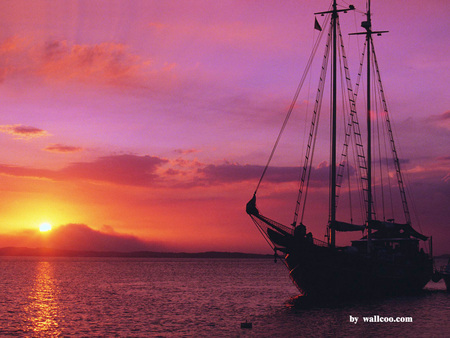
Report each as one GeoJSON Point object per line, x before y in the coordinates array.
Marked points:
{"type": "Point", "coordinates": [368, 26]}
{"type": "Point", "coordinates": [334, 18]}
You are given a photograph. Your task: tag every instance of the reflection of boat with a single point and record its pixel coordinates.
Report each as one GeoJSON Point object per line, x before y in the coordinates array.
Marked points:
{"type": "Point", "coordinates": [387, 259]}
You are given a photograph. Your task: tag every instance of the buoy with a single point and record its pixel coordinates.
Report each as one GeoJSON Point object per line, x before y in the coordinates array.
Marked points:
{"type": "Point", "coordinates": [246, 325]}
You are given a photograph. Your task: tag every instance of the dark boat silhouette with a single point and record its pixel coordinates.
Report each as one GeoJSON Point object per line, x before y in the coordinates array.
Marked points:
{"type": "Point", "coordinates": [444, 272]}
{"type": "Point", "coordinates": [389, 258]}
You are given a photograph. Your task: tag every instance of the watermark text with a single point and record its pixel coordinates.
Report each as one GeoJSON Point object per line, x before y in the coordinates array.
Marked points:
{"type": "Point", "coordinates": [380, 319]}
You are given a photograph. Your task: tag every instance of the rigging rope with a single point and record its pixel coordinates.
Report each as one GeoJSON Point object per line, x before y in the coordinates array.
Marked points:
{"type": "Point", "coordinates": [388, 176]}
{"type": "Point", "coordinates": [291, 107]}
{"type": "Point", "coordinates": [391, 137]}
{"type": "Point", "coordinates": [380, 161]}
{"type": "Point", "coordinates": [353, 125]}
{"type": "Point", "coordinates": [306, 170]}
{"type": "Point", "coordinates": [363, 191]}
{"type": "Point", "coordinates": [263, 233]}
{"type": "Point", "coordinates": [343, 163]}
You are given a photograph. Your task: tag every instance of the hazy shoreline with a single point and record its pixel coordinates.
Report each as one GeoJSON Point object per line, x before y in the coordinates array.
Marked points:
{"type": "Point", "coordinates": [48, 252]}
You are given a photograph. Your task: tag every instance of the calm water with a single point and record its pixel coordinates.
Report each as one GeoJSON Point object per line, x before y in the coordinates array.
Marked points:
{"type": "Point", "coordinates": [190, 297]}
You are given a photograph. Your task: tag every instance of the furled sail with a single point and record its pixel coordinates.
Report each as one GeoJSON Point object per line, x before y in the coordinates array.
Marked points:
{"type": "Point", "coordinates": [391, 227]}
{"type": "Point", "coordinates": [344, 226]}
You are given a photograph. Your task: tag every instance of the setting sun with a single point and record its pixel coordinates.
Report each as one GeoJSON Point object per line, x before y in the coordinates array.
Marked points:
{"type": "Point", "coordinates": [45, 227]}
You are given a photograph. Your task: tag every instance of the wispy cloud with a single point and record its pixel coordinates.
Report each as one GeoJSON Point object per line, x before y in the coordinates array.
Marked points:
{"type": "Point", "coordinates": [23, 132]}
{"type": "Point", "coordinates": [153, 171]}
{"type": "Point", "coordinates": [119, 169]}
{"type": "Point", "coordinates": [233, 34]}
{"type": "Point", "coordinates": [234, 172]}
{"type": "Point", "coordinates": [115, 66]}
{"type": "Point", "coordinates": [441, 120]}
{"type": "Point", "coordinates": [186, 151]}
{"type": "Point", "coordinates": [104, 63]}
{"type": "Point", "coordinates": [59, 148]}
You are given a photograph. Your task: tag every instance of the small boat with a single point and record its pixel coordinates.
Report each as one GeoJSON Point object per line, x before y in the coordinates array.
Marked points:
{"type": "Point", "coordinates": [391, 256]}
{"type": "Point", "coordinates": [445, 274]}
{"type": "Point", "coordinates": [246, 325]}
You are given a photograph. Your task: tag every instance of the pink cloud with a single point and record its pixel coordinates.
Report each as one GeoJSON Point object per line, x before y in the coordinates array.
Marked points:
{"type": "Point", "coordinates": [23, 132]}
{"type": "Point", "coordinates": [441, 120]}
{"type": "Point", "coordinates": [105, 62]}
{"type": "Point", "coordinates": [59, 60]}
{"type": "Point", "coordinates": [11, 57]}
{"type": "Point", "coordinates": [234, 172]}
{"type": "Point", "coordinates": [187, 164]}
{"type": "Point", "coordinates": [120, 169]}
{"type": "Point", "coordinates": [59, 148]}
{"type": "Point", "coordinates": [236, 34]}
{"type": "Point", "coordinates": [152, 171]}
{"type": "Point", "coordinates": [81, 237]}
{"type": "Point", "coordinates": [114, 65]}
{"type": "Point", "coordinates": [186, 151]}
{"type": "Point", "coordinates": [26, 172]}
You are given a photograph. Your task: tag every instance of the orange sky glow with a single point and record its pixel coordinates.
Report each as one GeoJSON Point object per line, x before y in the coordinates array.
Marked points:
{"type": "Point", "coordinates": [145, 125]}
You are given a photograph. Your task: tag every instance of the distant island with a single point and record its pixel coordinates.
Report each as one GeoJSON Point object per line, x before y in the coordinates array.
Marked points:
{"type": "Point", "coordinates": [49, 252]}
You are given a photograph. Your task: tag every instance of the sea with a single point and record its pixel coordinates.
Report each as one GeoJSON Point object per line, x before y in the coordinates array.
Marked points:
{"type": "Point", "coordinates": [161, 297]}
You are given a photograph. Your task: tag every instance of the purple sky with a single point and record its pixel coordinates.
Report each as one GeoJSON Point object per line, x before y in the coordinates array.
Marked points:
{"type": "Point", "coordinates": [154, 118]}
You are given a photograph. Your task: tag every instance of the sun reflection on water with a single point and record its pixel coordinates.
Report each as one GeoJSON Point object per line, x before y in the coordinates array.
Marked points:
{"type": "Point", "coordinates": [42, 308]}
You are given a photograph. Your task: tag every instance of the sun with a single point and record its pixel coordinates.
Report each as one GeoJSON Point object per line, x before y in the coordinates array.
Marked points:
{"type": "Point", "coordinates": [45, 227]}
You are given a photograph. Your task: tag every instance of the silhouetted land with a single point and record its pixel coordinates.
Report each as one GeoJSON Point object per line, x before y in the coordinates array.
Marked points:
{"type": "Point", "coordinates": [40, 252]}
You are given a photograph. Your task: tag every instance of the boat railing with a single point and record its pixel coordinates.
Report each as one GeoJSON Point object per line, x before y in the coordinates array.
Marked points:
{"type": "Point", "coordinates": [318, 242]}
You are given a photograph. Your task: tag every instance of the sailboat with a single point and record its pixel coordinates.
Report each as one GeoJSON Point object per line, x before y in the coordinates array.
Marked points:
{"type": "Point", "coordinates": [391, 257]}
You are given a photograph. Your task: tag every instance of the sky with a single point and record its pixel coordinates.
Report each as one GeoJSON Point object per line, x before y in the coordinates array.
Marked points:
{"type": "Point", "coordinates": [145, 125]}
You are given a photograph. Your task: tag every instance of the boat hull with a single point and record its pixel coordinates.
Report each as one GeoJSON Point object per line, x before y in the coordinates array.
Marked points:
{"type": "Point", "coordinates": [329, 273]}
{"type": "Point", "coordinates": [447, 282]}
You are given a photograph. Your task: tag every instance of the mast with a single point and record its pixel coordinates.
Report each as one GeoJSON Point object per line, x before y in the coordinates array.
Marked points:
{"type": "Point", "coordinates": [332, 242]}
{"type": "Point", "coordinates": [334, 17]}
{"type": "Point", "coordinates": [368, 26]}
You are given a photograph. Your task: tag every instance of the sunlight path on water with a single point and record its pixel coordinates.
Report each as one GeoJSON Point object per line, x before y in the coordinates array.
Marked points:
{"type": "Point", "coordinates": [42, 310]}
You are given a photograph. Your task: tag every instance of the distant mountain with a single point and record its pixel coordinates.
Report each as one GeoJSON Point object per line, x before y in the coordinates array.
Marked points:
{"type": "Point", "coordinates": [48, 252]}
